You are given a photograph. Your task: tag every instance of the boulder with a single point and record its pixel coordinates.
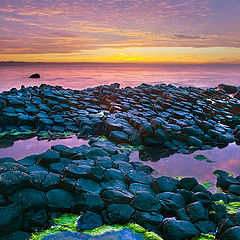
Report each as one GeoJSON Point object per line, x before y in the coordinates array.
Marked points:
{"type": "Point", "coordinates": [119, 213]}
{"type": "Point", "coordinates": [59, 199]}
{"type": "Point", "coordinates": [116, 196]}
{"type": "Point", "coordinates": [144, 201]}
{"type": "Point", "coordinates": [48, 157]}
{"type": "Point", "coordinates": [164, 184]}
{"type": "Point", "coordinates": [35, 75]}
{"type": "Point", "coordinates": [13, 181]}
{"type": "Point", "coordinates": [89, 202]}
{"type": "Point", "coordinates": [231, 234]}
{"type": "Point", "coordinates": [173, 229]}
{"type": "Point", "coordinates": [87, 185]}
{"type": "Point", "coordinates": [196, 212]}
{"type": "Point", "coordinates": [11, 219]}
{"type": "Point", "coordinates": [229, 89]}
{"type": "Point", "coordinates": [89, 221]}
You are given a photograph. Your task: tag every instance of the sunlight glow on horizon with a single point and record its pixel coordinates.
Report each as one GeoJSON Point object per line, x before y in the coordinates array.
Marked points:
{"type": "Point", "coordinates": [146, 31]}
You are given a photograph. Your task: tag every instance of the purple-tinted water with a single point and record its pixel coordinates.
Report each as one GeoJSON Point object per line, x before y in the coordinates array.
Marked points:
{"type": "Point", "coordinates": [23, 148]}
{"type": "Point", "coordinates": [80, 76]}
{"type": "Point", "coordinates": [185, 165]}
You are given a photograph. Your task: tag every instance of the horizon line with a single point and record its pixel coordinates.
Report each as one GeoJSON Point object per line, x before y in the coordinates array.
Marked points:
{"type": "Point", "coordinates": [147, 63]}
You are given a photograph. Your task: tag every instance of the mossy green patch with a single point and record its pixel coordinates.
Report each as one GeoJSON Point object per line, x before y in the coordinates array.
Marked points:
{"type": "Point", "coordinates": [102, 138]}
{"type": "Point", "coordinates": [132, 148]}
{"type": "Point", "coordinates": [67, 222]}
{"type": "Point", "coordinates": [200, 157]}
{"type": "Point", "coordinates": [208, 184]}
{"type": "Point", "coordinates": [204, 237]}
{"type": "Point", "coordinates": [232, 207]}
{"type": "Point", "coordinates": [16, 133]}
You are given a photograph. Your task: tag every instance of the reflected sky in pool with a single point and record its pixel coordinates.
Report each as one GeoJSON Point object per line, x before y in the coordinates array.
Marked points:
{"type": "Point", "coordinates": [23, 148]}
{"type": "Point", "coordinates": [186, 165]}
{"type": "Point", "coordinates": [176, 165]}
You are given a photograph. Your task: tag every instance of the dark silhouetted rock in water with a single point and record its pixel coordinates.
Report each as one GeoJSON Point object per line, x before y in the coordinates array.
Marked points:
{"type": "Point", "coordinates": [35, 75]}
{"type": "Point", "coordinates": [227, 88]}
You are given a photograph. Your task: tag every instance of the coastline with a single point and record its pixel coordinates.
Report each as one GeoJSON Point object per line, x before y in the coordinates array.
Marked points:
{"type": "Point", "coordinates": [100, 178]}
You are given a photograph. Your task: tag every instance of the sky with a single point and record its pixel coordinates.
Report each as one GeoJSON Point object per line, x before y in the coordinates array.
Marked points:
{"type": "Point", "coordinates": [150, 31]}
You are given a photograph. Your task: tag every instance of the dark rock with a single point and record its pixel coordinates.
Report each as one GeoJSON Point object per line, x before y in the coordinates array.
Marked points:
{"type": "Point", "coordinates": [19, 235]}
{"type": "Point", "coordinates": [35, 75]}
{"type": "Point", "coordinates": [118, 137]}
{"type": "Point", "coordinates": [206, 226]}
{"type": "Point", "coordinates": [116, 174]}
{"type": "Point", "coordinates": [235, 189]}
{"type": "Point", "coordinates": [88, 201]}
{"type": "Point", "coordinates": [48, 157]}
{"type": "Point", "coordinates": [87, 185]}
{"type": "Point", "coordinates": [11, 219]}
{"type": "Point", "coordinates": [105, 162]}
{"type": "Point", "coordinates": [94, 153]}
{"type": "Point", "coordinates": [149, 220]}
{"type": "Point", "coordinates": [164, 184]}
{"type": "Point", "coordinates": [225, 181]}
{"type": "Point", "coordinates": [140, 177]}
{"type": "Point", "coordinates": [173, 229]}
{"type": "Point", "coordinates": [196, 212]}
{"type": "Point", "coordinates": [171, 201]}
{"type": "Point", "coordinates": [74, 171]}
{"type": "Point", "coordinates": [12, 166]}
{"type": "Point", "coordinates": [144, 201]}
{"type": "Point", "coordinates": [12, 181]}
{"type": "Point", "coordinates": [59, 199]}
{"type": "Point", "coordinates": [227, 88]}
{"type": "Point", "coordinates": [116, 196]}
{"type": "Point", "coordinates": [187, 183]}
{"type": "Point", "coordinates": [29, 198]}
{"type": "Point", "coordinates": [119, 213]}
{"type": "Point", "coordinates": [114, 184]}
{"type": "Point", "coordinates": [98, 173]}
{"type": "Point", "coordinates": [231, 234]}
{"type": "Point", "coordinates": [139, 187]}
{"type": "Point", "coordinates": [89, 221]}
{"type": "Point", "coordinates": [7, 159]}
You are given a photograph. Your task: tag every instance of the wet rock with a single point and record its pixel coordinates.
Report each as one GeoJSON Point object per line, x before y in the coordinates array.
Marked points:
{"type": "Point", "coordinates": [12, 166]}
{"type": "Point", "coordinates": [12, 220]}
{"type": "Point", "coordinates": [75, 171]}
{"type": "Point", "coordinates": [87, 185]}
{"type": "Point", "coordinates": [13, 181]}
{"type": "Point", "coordinates": [144, 201]}
{"type": "Point", "coordinates": [48, 157]}
{"type": "Point", "coordinates": [29, 198]}
{"type": "Point", "coordinates": [89, 221]}
{"type": "Point", "coordinates": [231, 234]}
{"type": "Point", "coordinates": [173, 229]}
{"type": "Point", "coordinates": [187, 183]}
{"type": "Point", "coordinates": [88, 201]}
{"type": "Point", "coordinates": [17, 235]}
{"type": "Point", "coordinates": [59, 199]}
{"type": "Point", "coordinates": [235, 189]}
{"type": "Point", "coordinates": [119, 213]}
{"type": "Point", "coordinates": [206, 226]}
{"type": "Point", "coordinates": [35, 75]}
{"type": "Point", "coordinates": [196, 212]}
{"type": "Point", "coordinates": [118, 137]}
{"type": "Point", "coordinates": [164, 184]}
{"type": "Point", "coordinates": [116, 196]}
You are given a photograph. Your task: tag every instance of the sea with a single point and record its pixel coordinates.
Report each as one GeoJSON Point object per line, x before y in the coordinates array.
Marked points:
{"type": "Point", "coordinates": [85, 75]}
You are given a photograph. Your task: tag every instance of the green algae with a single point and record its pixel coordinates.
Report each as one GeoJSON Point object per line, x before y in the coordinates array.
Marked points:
{"type": "Point", "coordinates": [204, 237]}
{"type": "Point", "coordinates": [102, 138]}
{"type": "Point", "coordinates": [67, 222]}
{"type": "Point", "coordinates": [207, 184]}
{"type": "Point", "coordinates": [16, 133]}
{"type": "Point", "coordinates": [200, 157]}
{"type": "Point", "coordinates": [232, 207]}
{"type": "Point", "coordinates": [133, 148]}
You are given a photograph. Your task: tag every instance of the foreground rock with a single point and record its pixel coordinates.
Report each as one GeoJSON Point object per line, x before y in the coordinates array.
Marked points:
{"type": "Point", "coordinates": [102, 183]}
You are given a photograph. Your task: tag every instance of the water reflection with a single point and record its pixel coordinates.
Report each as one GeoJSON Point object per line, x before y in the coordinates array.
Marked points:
{"type": "Point", "coordinates": [23, 148]}
{"type": "Point", "coordinates": [186, 165]}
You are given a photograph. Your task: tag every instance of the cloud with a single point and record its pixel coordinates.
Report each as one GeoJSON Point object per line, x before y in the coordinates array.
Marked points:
{"type": "Point", "coordinates": [187, 37]}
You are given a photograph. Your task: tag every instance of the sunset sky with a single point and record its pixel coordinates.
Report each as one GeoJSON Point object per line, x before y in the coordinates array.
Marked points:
{"type": "Point", "coordinates": [165, 31]}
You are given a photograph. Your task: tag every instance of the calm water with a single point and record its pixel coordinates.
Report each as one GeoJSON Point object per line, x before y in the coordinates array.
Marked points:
{"type": "Point", "coordinates": [80, 76]}
{"type": "Point", "coordinates": [23, 148]}
{"type": "Point", "coordinates": [184, 165]}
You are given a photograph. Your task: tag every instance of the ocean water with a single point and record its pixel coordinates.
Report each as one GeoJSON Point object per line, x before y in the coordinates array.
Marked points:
{"type": "Point", "coordinates": [84, 75]}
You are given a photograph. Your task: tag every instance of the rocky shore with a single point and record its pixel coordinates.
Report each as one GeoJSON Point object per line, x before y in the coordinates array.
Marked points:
{"type": "Point", "coordinates": [98, 179]}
